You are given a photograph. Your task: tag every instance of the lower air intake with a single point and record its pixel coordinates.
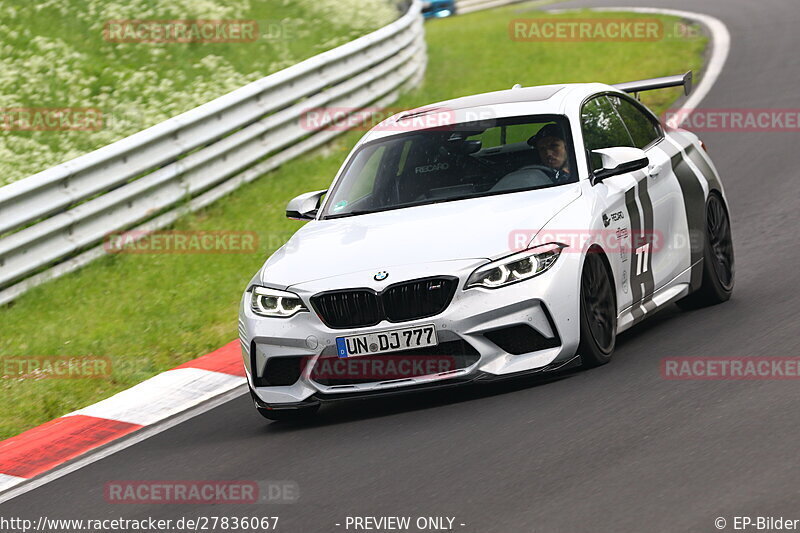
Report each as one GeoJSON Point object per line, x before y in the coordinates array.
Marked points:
{"type": "Point", "coordinates": [280, 371]}
{"type": "Point", "coordinates": [521, 339]}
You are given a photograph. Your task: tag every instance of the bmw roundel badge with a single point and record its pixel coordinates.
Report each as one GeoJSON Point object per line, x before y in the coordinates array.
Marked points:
{"type": "Point", "coordinates": [382, 275]}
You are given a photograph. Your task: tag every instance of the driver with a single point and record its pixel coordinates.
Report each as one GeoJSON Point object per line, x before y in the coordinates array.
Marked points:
{"type": "Point", "coordinates": [552, 147]}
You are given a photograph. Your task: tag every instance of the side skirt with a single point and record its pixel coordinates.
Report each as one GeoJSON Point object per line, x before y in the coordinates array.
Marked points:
{"type": "Point", "coordinates": [677, 288]}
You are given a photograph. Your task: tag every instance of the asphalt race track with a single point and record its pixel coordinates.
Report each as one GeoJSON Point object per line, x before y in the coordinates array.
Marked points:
{"type": "Point", "coordinates": [614, 449]}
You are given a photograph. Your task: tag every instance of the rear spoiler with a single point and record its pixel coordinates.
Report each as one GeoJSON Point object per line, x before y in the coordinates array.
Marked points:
{"type": "Point", "coordinates": [684, 80]}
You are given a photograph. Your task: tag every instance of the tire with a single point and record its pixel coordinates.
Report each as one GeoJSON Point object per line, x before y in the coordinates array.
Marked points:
{"type": "Point", "coordinates": [718, 260]}
{"type": "Point", "coordinates": [288, 414]}
{"type": "Point", "coordinates": [598, 312]}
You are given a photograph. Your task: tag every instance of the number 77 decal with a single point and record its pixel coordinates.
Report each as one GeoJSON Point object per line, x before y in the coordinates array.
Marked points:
{"type": "Point", "coordinates": [641, 258]}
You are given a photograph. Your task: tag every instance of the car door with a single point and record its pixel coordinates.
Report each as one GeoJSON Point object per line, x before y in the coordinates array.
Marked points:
{"type": "Point", "coordinates": [669, 250]}
{"type": "Point", "coordinates": [629, 213]}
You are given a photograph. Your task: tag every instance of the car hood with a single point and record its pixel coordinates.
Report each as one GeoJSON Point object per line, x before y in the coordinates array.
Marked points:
{"type": "Point", "coordinates": [475, 228]}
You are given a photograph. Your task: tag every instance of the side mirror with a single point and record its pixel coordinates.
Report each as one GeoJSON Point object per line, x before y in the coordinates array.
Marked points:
{"type": "Point", "coordinates": [305, 206]}
{"type": "Point", "coordinates": [619, 160]}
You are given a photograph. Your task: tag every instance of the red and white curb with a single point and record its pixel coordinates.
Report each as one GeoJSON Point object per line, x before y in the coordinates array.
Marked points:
{"type": "Point", "coordinates": [42, 448]}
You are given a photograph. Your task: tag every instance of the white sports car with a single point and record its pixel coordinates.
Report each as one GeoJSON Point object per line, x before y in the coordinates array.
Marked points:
{"type": "Point", "coordinates": [489, 236]}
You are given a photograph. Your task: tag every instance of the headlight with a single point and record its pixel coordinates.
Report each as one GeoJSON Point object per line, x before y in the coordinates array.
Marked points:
{"type": "Point", "coordinates": [517, 267]}
{"type": "Point", "coordinates": [274, 303]}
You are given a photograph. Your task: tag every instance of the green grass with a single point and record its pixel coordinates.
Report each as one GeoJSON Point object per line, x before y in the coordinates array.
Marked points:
{"type": "Point", "coordinates": [152, 312]}
{"type": "Point", "coordinates": [54, 54]}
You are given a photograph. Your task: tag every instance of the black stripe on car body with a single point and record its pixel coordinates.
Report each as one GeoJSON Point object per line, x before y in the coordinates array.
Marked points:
{"type": "Point", "coordinates": [636, 228]}
{"type": "Point", "coordinates": [700, 162]}
{"type": "Point", "coordinates": [694, 202]}
{"type": "Point", "coordinates": [647, 238]}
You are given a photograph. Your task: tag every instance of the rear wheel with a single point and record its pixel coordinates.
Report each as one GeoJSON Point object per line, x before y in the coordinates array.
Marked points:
{"type": "Point", "coordinates": [718, 263]}
{"type": "Point", "coordinates": [598, 315]}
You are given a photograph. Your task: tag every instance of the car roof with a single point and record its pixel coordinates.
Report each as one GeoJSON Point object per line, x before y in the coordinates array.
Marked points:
{"type": "Point", "coordinates": [522, 94]}
{"type": "Point", "coordinates": [542, 99]}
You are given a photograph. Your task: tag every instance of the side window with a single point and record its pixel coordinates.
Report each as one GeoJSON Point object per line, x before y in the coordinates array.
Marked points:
{"type": "Point", "coordinates": [602, 128]}
{"type": "Point", "coordinates": [642, 128]}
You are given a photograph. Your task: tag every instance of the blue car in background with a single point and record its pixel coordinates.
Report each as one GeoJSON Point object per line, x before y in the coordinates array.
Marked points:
{"type": "Point", "coordinates": [438, 8]}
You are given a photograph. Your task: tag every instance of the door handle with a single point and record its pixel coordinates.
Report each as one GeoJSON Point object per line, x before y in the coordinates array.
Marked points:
{"type": "Point", "coordinates": [654, 171]}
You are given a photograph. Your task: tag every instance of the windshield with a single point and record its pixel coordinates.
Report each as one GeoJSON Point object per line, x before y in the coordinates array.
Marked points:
{"type": "Point", "coordinates": [461, 161]}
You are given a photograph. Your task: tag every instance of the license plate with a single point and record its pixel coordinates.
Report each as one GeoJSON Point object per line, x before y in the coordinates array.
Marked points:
{"type": "Point", "coordinates": [386, 341]}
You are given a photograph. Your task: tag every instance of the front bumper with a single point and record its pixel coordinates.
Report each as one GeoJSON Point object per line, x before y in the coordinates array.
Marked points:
{"type": "Point", "coordinates": [550, 308]}
{"type": "Point", "coordinates": [436, 385]}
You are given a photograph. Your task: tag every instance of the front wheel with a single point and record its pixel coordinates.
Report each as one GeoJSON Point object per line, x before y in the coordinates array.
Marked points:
{"type": "Point", "coordinates": [718, 265]}
{"type": "Point", "coordinates": [598, 312]}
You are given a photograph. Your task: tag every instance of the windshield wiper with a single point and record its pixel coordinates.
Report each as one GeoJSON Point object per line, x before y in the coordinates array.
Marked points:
{"type": "Point", "coordinates": [350, 214]}
{"type": "Point", "coordinates": [370, 211]}
{"type": "Point", "coordinates": [399, 206]}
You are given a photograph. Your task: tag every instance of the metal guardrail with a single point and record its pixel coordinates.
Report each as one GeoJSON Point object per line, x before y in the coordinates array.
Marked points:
{"type": "Point", "coordinates": [469, 6]}
{"type": "Point", "coordinates": [51, 222]}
